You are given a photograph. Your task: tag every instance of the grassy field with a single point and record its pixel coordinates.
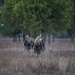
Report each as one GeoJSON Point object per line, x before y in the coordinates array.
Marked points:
{"type": "Point", "coordinates": [57, 59]}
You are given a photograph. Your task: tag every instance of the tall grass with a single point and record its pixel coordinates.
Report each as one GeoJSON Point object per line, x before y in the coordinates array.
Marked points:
{"type": "Point", "coordinates": [45, 64]}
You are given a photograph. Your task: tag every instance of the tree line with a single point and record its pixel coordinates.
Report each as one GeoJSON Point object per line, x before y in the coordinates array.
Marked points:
{"type": "Point", "coordinates": [35, 16]}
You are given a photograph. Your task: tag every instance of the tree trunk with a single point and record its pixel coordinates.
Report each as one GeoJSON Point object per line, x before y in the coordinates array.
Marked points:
{"type": "Point", "coordinates": [49, 40]}
{"type": "Point", "coordinates": [53, 38]}
{"type": "Point", "coordinates": [14, 38]}
{"type": "Point", "coordinates": [19, 37]}
{"type": "Point", "coordinates": [24, 37]}
{"type": "Point", "coordinates": [72, 37]}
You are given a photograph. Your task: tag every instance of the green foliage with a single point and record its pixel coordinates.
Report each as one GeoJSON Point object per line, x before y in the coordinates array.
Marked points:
{"type": "Point", "coordinates": [34, 16]}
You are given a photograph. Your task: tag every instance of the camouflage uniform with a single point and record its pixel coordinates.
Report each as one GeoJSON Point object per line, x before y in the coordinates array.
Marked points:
{"type": "Point", "coordinates": [38, 44]}
{"type": "Point", "coordinates": [28, 42]}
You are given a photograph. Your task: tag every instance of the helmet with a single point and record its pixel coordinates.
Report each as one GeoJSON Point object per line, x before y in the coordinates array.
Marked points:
{"type": "Point", "coordinates": [40, 35]}
{"type": "Point", "coordinates": [27, 36]}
